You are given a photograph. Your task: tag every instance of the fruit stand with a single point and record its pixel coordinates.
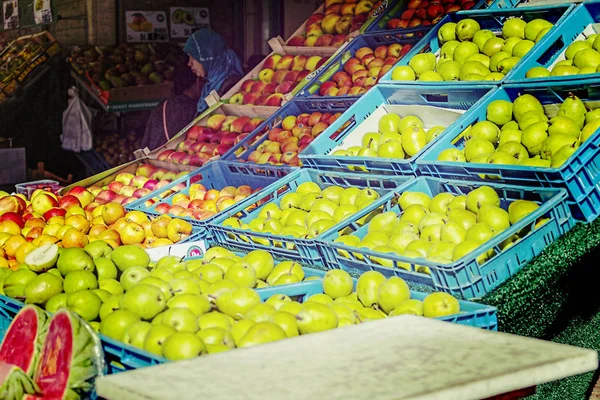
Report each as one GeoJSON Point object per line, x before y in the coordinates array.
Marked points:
{"type": "Point", "coordinates": [409, 212]}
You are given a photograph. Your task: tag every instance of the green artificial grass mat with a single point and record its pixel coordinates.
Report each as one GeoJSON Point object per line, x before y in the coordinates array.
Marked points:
{"type": "Point", "coordinates": [556, 297]}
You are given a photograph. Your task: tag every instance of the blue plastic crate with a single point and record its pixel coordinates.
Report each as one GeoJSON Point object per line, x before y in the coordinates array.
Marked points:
{"type": "Point", "coordinates": [396, 9]}
{"type": "Point", "coordinates": [488, 19]}
{"type": "Point", "coordinates": [304, 251]}
{"type": "Point", "coordinates": [465, 277]}
{"type": "Point", "coordinates": [295, 107]}
{"type": "Point", "coordinates": [579, 175]}
{"type": "Point", "coordinates": [552, 47]}
{"type": "Point", "coordinates": [215, 175]}
{"type": "Point", "coordinates": [336, 63]}
{"type": "Point", "coordinates": [471, 314]}
{"type": "Point", "coordinates": [317, 154]}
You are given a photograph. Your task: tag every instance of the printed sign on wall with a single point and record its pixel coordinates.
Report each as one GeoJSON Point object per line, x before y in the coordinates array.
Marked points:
{"type": "Point", "coordinates": [146, 26]}
{"type": "Point", "coordinates": [10, 12]}
{"type": "Point", "coordinates": [187, 20]}
{"type": "Point", "coordinates": [42, 12]}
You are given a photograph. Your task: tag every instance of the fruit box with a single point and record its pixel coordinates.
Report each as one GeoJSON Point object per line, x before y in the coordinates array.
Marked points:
{"type": "Point", "coordinates": [578, 174]}
{"type": "Point", "coordinates": [579, 24]}
{"type": "Point", "coordinates": [27, 188]}
{"type": "Point", "coordinates": [215, 175]}
{"type": "Point", "coordinates": [201, 120]}
{"type": "Point", "coordinates": [471, 314]}
{"type": "Point", "coordinates": [301, 250]}
{"type": "Point", "coordinates": [395, 12]}
{"type": "Point", "coordinates": [487, 19]}
{"type": "Point", "coordinates": [376, 11]}
{"type": "Point", "coordinates": [435, 106]}
{"type": "Point", "coordinates": [295, 107]}
{"type": "Point", "coordinates": [465, 277]}
{"type": "Point", "coordinates": [106, 177]}
{"type": "Point", "coordinates": [337, 62]}
{"type": "Point", "coordinates": [277, 47]}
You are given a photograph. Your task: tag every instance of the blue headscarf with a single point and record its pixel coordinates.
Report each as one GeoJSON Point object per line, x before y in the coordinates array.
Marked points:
{"type": "Point", "coordinates": [209, 48]}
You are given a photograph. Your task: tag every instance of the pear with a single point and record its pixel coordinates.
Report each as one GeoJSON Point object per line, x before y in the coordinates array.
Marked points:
{"type": "Point", "coordinates": [519, 209]}
{"type": "Point", "coordinates": [515, 149]}
{"type": "Point", "coordinates": [494, 216]}
{"type": "Point", "coordinates": [409, 198]}
{"type": "Point", "coordinates": [514, 27]}
{"type": "Point", "coordinates": [366, 314]}
{"type": "Point", "coordinates": [537, 72]}
{"type": "Point", "coordinates": [562, 155]}
{"type": "Point", "coordinates": [391, 293]}
{"type": "Point", "coordinates": [260, 333]}
{"type": "Point", "coordinates": [592, 115]}
{"type": "Point", "coordinates": [239, 329]}
{"type": "Point", "coordinates": [564, 70]}
{"type": "Point", "coordinates": [509, 135]}
{"type": "Point", "coordinates": [465, 218]}
{"type": "Point", "coordinates": [440, 202]}
{"type": "Point", "coordinates": [587, 58]}
{"type": "Point", "coordinates": [556, 142]}
{"type": "Point", "coordinates": [472, 67]}
{"type": "Point", "coordinates": [261, 312]}
{"type": "Point", "coordinates": [464, 50]}
{"type": "Point", "coordinates": [505, 65]}
{"type": "Point", "coordinates": [492, 46]}
{"type": "Point", "coordinates": [466, 29]}
{"type": "Point", "coordinates": [496, 58]}
{"type": "Point", "coordinates": [337, 283]}
{"type": "Point", "coordinates": [237, 302]}
{"type": "Point", "coordinates": [482, 196]}
{"type": "Point", "coordinates": [530, 118]}
{"type": "Point", "coordinates": [287, 322]}
{"type": "Point", "coordinates": [414, 140]}
{"type": "Point", "coordinates": [320, 298]}
{"type": "Point", "coordinates": [422, 62]}
{"type": "Point", "coordinates": [481, 37]}
{"type": "Point", "coordinates": [573, 108]}
{"type": "Point", "coordinates": [501, 157]}
{"type": "Point", "coordinates": [441, 252]}
{"type": "Point", "coordinates": [485, 130]}
{"type": "Point", "coordinates": [316, 317]}
{"type": "Point", "coordinates": [563, 125]}
{"type": "Point", "coordinates": [536, 161]}
{"type": "Point", "coordinates": [367, 287]}
{"type": "Point", "coordinates": [589, 129]}
{"type": "Point", "coordinates": [534, 136]}
{"type": "Point", "coordinates": [575, 47]}
{"type": "Point", "coordinates": [512, 125]}
{"type": "Point", "coordinates": [477, 146]}
{"type": "Point", "coordinates": [533, 28]}
{"type": "Point", "coordinates": [43, 287]}
{"type": "Point", "coordinates": [499, 112]}
{"type": "Point", "coordinates": [525, 103]}
{"type": "Point", "coordinates": [408, 307]}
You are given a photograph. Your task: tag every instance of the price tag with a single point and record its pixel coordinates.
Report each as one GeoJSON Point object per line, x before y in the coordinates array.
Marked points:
{"type": "Point", "coordinates": [42, 12]}
{"type": "Point", "coordinates": [187, 20]}
{"type": "Point", "coordinates": [10, 9]}
{"type": "Point", "coordinates": [146, 26]}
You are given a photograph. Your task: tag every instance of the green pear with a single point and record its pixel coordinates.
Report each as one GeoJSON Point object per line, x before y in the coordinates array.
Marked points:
{"type": "Point", "coordinates": [572, 107]}
{"type": "Point", "coordinates": [575, 47]}
{"type": "Point", "coordinates": [589, 129]}
{"type": "Point", "coordinates": [514, 27]}
{"type": "Point", "coordinates": [74, 259]}
{"type": "Point", "coordinates": [472, 67]}
{"type": "Point", "coordinates": [447, 32]}
{"type": "Point", "coordinates": [481, 37]}
{"type": "Point", "coordinates": [556, 142]}
{"type": "Point", "coordinates": [511, 135]}
{"type": "Point", "coordinates": [496, 58]}
{"type": "Point", "coordinates": [537, 72]}
{"type": "Point", "coordinates": [533, 28]}
{"type": "Point", "coordinates": [422, 62]}
{"type": "Point", "coordinates": [408, 307]}
{"type": "Point", "coordinates": [56, 302]}
{"type": "Point", "coordinates": [237, 302]}
{"type": "Point", "coordinates": [520, 49]}
{"type": "Point", "coordinates": [129, 256]}
{"type": "Point", "coordinates": [499, 112]}
{"type": "Point", "coordinates": [564, 70]}
{"type": "Point", "coordinates": [42, 288]}
{"type": "Point", "coordinates": [85, 303]}
{"type": "Point", "coordinates": [494, 216]}
{"type": "Point", "coordinates": [367, 287]}
{"type": "Point", "coordinates": [414, 140]}
{"type": "Point", "coordinates": [505, 65]}
{"type": "Point", "coordinates": [144, 300]}
{"type": "Point", "coordinates": [477, 146]}
{"type": "Point", "coordinates": [260, 333]}
{"type": "Point", "coordinates": [530, 118]}
{"type": "Point", "coordinates": [587, 58]}
{"type": "Point", "coordinates": [519, 209]}
{"type": "Point", "coordinates": [391, 293]}
{"type": "Point", "coordinates": [466, 29]}
{"type": "Point", "coordinates": [515, 149]}
{"type": "Point", "coordinates": [261, 312]}
{"type": "Point", "coordinates": [534, 136]}
{"type": "Point", "coordinates": [464, 50]}
{"type": "Point", "coordinates": [492, 46]}
{"type": "Point", "coordinates": [485, 130]}
{"type": "Point", "coordinates": [447, 50]}
{"type": "Point", "coordinates": [316, 317]}
{"type": "Point", "coordinates": [562, 155]}
{"type": "Point", "coordinates": [482, 196]}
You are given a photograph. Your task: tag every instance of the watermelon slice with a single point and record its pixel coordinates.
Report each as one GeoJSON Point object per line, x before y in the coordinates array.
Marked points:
{"type": "Point", "coordinates": [14, 382]}
{"type": "Point", "coordinates": [71, 358]}
{"type": "Point", "coordinates": [24, 338]}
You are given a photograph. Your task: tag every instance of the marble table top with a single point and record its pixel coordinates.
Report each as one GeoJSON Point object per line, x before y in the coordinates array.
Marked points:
{"type": "Point", "coordinates": [403, 357]}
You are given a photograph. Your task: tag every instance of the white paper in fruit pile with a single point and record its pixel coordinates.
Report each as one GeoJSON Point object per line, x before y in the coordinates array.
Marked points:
{"type": "Point", "coordinates": [589, 30]}
{"type": "Point", "coordinates": [431, 116]}
{"type": "Point", "coordinates": [192, 249]}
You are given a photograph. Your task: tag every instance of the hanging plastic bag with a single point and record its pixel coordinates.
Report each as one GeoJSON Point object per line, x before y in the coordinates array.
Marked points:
{"type": "Point", "coordinates": [76, 124]}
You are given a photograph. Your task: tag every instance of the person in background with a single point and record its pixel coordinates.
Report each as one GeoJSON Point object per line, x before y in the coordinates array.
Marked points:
{"type": "Point", "coordinates": [172, 115]}
{"type": "Point", "coordinates": [212, 60]}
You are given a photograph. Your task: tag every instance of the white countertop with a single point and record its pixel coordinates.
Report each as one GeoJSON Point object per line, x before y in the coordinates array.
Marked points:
{"type": "Point", "coordinates": [403, 357]}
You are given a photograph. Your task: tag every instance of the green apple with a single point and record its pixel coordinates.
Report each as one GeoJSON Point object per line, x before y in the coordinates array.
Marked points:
{"type": "Point", "coordinates": [74, 259]}
{"type": "Point", "coordinates": [105, 268]}
{"type": "Point", "coordinates": [132, 276]}
{"type": "Point", "coordinates": [440, 304]}
{"type": "Point", "coordinates": [110, 285]}
{"type": "Point", "coordinates": [85, 303]}
{"type": "Point", "coordinates": [79, 280]}
{"type": "Point", "coordinates": [125, 257]}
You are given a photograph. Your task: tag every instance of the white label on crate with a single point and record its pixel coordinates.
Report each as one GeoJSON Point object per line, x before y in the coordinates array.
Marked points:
{"type": "Point", "coordinates": [431, 116]}
{"type": "Point", "coordinates": [146, 26]}
{"type": "Point", "coordinates": [192, 249]}
{"type": "Point", "coordinates": [380, 9]}
{"type": "Point", "coordinates": [42, 12]}
{"type": "Point", "coordinates": [10, 13]}
{"type": "Point", "coordinates": [186, 20]}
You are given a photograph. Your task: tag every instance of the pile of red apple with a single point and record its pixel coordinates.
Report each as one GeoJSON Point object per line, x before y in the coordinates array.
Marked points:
{"type": "Point", "coordinates": [279, 75]}
{"type": "Point", "coordinates": [128, 187]}
{"type": "Point", "coordinates": [364, 70]}
{"type": "Point", "coordinates": [284, 143]}
{"type": "Point", "coordinates": [202, 143]}
{"type": "Point", "coordinates": [425, 12]}
{"type": "Point", "coordinates": [331, 27]}
{"type": "Point", "coordinates": [200, 202]}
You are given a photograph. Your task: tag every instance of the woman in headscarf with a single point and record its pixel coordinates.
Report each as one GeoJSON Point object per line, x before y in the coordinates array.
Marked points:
{"type": "Point", "coordinates": [213, 61]}
{"type": "Point", "coordinates": [212, 66]}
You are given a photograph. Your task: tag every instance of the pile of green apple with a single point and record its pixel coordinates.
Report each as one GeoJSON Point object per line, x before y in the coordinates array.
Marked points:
{"type": "Point", "coordinates": [469, 53]}
{"type": "Point", "coordinates": [397, 138]}
{"type": "Point", "coordinates": [96, 280]}
{"type": "Point", "coordinates": [307, 212]}
{"type": "Point", "coordinates": [442, 229]}
{"type": "Point", "coordinates": [581, 57]}
{"type": "Point", "coordinates": [520, 133]}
